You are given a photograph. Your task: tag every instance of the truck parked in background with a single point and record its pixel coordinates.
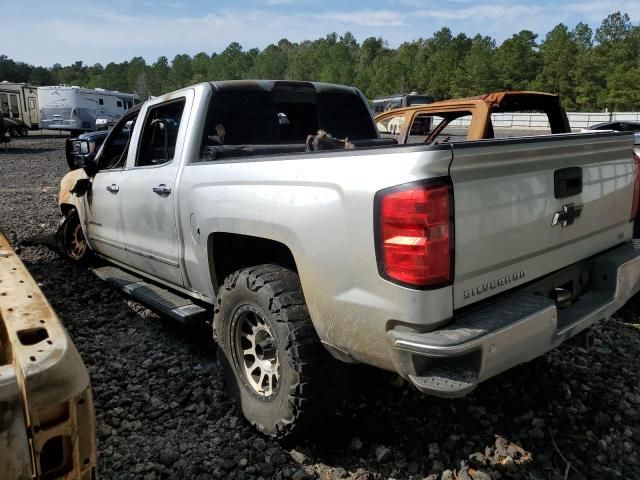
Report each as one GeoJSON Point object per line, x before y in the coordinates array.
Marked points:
{"type": "Point", "coordinates": [80, 110]}
{"type": "Point", "coordinates": [19, 102]}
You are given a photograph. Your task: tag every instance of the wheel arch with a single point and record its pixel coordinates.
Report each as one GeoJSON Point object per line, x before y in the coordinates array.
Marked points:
{"type": "Point", "coordinates": [228, 252]}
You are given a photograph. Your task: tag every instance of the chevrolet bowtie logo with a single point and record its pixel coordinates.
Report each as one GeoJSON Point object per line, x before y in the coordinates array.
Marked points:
{"type": "Point", "coordinates": [567, 215]}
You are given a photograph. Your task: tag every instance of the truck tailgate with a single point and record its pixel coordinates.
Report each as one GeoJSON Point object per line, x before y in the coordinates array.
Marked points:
{"type": "Point", "coordinates": [519, 213]}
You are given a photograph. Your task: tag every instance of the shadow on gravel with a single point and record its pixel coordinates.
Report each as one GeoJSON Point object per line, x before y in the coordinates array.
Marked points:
{"type": "Point", "coordinates": [22, 151]}
{"type": "Point", "coordinates": [399, 432]}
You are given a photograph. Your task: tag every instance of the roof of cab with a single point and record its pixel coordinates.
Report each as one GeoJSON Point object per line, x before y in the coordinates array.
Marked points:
{"type": "Point", "coordinates": [269, 85]}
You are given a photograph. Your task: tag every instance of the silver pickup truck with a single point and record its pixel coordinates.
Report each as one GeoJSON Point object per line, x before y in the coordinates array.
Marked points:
{"type": "Point", "coordinates": [447, 263]}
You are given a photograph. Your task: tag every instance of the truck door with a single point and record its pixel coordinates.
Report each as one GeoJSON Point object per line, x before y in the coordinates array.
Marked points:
{"type": "Point", "coordinates": [104, 221]}
{"type": "Point", "coordinates": [148, 191]}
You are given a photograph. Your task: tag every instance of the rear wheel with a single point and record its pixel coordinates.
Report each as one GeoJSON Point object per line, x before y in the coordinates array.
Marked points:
{"type": "Point", "coordinates": [269, 349]}
{"type": "Point", "coordinates": [71, 238]}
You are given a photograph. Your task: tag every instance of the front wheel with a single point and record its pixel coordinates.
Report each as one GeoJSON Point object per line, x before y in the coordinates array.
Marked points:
{"type": "Point", "coordinates": [270, 351]}
{"type": "Point", "coordinates": [23, 131]}
{"type": "Point", "coordinates": [71, 238]}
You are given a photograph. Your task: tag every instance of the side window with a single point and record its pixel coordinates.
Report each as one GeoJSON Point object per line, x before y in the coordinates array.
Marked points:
{"type": "Point", "coordinates": [390, 127]}
{"type": "Point", "coordinates": [100, 101]}
{"type": "Point", "coordinates": [455, 130]}
{"type": "Point", "coordinates": [422, 125]}
{"type": "Point", "coordinates": [520, 124]}
{"type": "Point", "coordinates": [119, 104]}
{"type": "Point", "coordinates": [15, 110]}
{"type": "Point", "coordinates": [4, 104]}
{"type": "Point", "coordinates": [160, 134]}
{"type": "Point", "coordinates": [116, 147]}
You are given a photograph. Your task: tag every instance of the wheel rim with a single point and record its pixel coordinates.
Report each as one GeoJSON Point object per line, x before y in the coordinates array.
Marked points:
{"type": "Point", "coordinates": [77, 244]}
{"type": "Point", "coordinates": [255, 351]}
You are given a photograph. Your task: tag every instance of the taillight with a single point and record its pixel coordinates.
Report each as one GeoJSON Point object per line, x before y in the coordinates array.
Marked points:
{"type": "Point", "coordinates": [636, 186]}
{"type": "Point", "coordinates": [415, 234]}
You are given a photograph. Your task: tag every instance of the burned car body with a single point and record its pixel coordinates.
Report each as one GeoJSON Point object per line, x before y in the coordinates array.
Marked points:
{"type": "Point", "coordinates": [47, 422]}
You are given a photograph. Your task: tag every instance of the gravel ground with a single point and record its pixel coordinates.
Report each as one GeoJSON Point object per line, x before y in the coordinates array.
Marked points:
{"type": "Point", "coordinates": [162, 410]}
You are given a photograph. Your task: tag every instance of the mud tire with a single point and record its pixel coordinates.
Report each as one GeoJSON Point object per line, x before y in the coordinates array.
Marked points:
{"type": "Point", "coordinates": [275, 294]}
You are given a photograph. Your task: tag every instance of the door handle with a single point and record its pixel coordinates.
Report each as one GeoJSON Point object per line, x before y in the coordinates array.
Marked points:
{"type": "Point", "coordinates": [162, 189]}
{"type": "Point", "coordinates": [113, 188]}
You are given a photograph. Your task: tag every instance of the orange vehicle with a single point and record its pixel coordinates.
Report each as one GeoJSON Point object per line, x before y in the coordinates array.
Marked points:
{"type": "Point", "coordinates": [47, 421]}
{"type": "Point", "coordinates": [476, 118]}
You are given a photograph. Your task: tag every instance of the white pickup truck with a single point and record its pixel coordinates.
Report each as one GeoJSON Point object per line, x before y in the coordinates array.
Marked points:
{"type": "Point", "coordinates": [445, 262]}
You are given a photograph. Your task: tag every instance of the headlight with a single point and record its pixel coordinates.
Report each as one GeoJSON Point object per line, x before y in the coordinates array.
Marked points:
{"type": "Point", "coordinates": [84, 147]}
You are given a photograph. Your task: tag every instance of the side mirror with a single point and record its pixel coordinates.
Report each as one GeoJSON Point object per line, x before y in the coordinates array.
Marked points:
{"type": "Point", "coordinates": [90, 164]}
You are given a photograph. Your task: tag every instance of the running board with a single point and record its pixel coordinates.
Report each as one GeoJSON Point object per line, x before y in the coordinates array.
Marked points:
{"type": "Point", "coordinates": [156, 298]}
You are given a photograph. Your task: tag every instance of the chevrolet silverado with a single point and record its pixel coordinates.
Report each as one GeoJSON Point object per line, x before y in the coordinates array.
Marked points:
{"type": "Point", "coordinates": [447, 263]}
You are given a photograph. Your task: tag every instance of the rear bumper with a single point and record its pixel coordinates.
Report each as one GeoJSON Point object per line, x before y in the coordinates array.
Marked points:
{"type": "Point", "coordinates": [450, 362]}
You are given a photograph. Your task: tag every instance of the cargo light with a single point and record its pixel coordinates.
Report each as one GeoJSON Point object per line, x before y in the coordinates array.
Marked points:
{"type": "Point", "coordinates": [636, 187]}
{"type": "Point", "coordinates": [414, 234]}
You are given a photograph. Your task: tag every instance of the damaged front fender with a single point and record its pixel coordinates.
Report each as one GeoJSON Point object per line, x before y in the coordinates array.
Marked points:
{"type": "Point", "coordinates": [72, 187]}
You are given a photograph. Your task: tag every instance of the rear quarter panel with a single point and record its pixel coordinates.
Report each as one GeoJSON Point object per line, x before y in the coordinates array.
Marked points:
{"type": "Point", "coordinates": [319, 205]}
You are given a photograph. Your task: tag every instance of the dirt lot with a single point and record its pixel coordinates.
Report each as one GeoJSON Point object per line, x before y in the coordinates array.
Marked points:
{"type": "Point", "coordinates": [162, 411]}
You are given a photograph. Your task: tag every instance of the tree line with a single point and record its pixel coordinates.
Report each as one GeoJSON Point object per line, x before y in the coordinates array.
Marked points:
{"type": "Point", "coordinates": [591, 71]}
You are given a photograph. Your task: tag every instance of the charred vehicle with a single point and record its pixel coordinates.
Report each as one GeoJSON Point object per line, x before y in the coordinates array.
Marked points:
{"type": "Point", "coordinates": [473, 118]}
{"type": "Point", "coordinates": [447, 263]}
{"type": "Point", "coordinates": [47, 424]}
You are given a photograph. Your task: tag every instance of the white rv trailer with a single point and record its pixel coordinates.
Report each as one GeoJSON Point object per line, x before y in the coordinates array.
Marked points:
{"type": "Point", "coordinates": [78, 109]}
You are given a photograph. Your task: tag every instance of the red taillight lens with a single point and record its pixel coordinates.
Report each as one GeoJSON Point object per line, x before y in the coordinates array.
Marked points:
{"type": "Point", "coordinates": [636, 186]}
{"type": "Point", "coordinates": [415, 234]}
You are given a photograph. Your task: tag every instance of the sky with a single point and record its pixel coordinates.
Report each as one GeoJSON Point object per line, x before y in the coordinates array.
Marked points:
{"type": "Point", "coordinates": [45, 32]}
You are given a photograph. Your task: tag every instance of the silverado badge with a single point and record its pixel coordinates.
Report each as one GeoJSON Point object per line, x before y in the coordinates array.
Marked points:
{"type": "Point", "coordinates": [567, 215]}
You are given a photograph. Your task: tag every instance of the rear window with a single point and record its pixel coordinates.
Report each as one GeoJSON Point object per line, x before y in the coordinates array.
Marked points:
{"type": "Point", "coordinates": [345, 116]}
{"type": "Point", "coordinates": [284, 116]}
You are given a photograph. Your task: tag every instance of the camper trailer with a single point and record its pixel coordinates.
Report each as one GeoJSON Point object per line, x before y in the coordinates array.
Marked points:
{"type": "Point", "coordinates": [388, 102]}
{"type": "Point", "coordinates": [19, 102]}
{"type": "Point", "coordinates": [79, 109]}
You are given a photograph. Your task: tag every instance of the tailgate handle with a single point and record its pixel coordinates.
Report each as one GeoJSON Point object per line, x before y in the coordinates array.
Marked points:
{"type": "Point", "coordinates": [567, 182]}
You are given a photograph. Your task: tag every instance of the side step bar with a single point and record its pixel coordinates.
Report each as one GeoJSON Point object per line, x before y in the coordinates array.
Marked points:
{"type": "Point", "coordinates": [156, 298]}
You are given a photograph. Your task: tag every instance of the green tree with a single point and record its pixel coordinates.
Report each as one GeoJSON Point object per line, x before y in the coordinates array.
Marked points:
{"type": "Point", "coordinates": [558, 56]}
{"type": "Point", "coordinates": [517, 61]}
